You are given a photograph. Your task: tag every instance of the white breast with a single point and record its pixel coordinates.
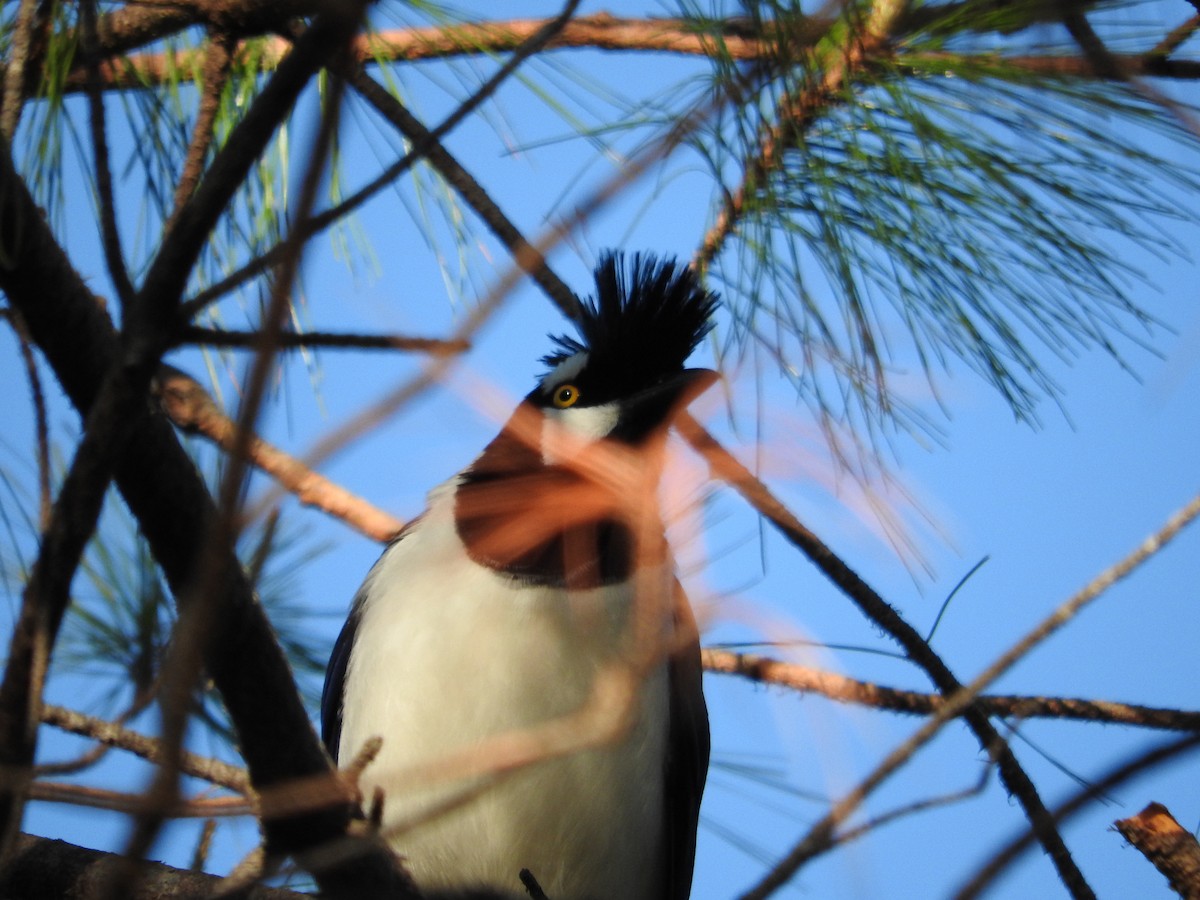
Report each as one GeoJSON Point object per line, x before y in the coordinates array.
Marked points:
{"type": "Point", "coordinates": [448, 653]}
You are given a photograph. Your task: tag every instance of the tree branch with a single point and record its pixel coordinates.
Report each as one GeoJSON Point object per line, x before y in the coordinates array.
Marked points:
{"type": "Point", "coordinates": [290, 340]}
{"type": "Point", "coordinates": [174, 510]}
{"type": "Point", "coordinates": [192, 409]}
{"type": "Point", "coordinates": [1171, 848]}
{"type": "Point", "coordinates": [726, 467]}
{"type": "Point", "coordinates": [112, 734]}
{"type": "Point", "coordinates": [532, 262]}
{"type": "Point", "coordinates": [320, 222]}
{"type": "Point", "coordinates": [865, 693]}
{"type": "Point", "coordinates": [1094, 788]}
{"type": "Point", "coordinates": [44, 869]}
{"type": "Point", "coordinates": [218, 58]}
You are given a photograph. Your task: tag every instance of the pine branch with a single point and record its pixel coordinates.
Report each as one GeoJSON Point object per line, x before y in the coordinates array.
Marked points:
{"type": "Point", "coordinates": [1166, 844]}
{"type": "Point", "coordinates": [1095, 788]}
{"type": "Point", "coordinates": [833, 69]}
{"type": "Point", "coordinates": [806, 679]}
{"type": "Point", "coordinates": [218, 58]}
{"type": "Point", "coordinates": [730, 38]}
{"type": "Point", "coordinates": [174, 510]}
{"type": "Point", "coordinates": [44, 869]}
{"type": "Point", "coordinates": [113, 734]}
{"type": "Point", "coordinates": [139, 804]}
{"type": "Point", "coordinates": [727, 468]}
{"type": "Point", "coordinates": [288, 340]}
{"type": "Point", "coordinates": [318, 223]}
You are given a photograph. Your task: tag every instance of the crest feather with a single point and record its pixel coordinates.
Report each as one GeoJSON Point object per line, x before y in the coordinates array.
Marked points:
{"type": "Point", "coordinates": [643, 322]}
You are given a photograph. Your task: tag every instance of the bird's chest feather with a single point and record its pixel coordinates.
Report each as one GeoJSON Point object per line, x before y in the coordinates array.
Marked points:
{"type": "Point", "coordinates": [447, 654]}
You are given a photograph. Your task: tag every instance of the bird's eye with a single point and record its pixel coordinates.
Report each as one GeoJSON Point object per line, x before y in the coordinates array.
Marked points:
{"type": "Point", "coordinates": [565, 396]}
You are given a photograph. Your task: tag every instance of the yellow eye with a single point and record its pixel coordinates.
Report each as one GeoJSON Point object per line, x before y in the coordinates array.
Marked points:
{"type": "Point", "coordinates": [566, 395]}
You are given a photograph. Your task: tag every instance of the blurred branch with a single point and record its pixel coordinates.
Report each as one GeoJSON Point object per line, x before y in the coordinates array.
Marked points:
{"type": "Point", "coordinates": [727, 468]}
{"type": "Point", "coordinates": [44, 869]}
{"type": "Point", "coordinates": [865, 693]}
{"type": "Point", "coordinates": [1094, 788]}
{"type": "Point", "coordinates": [834, 65]}
{"type": "Point", "coordinates": [196, 627]}
{"type": "Point", "coordinates": [1171, 848]}
{"type": "Point", "coordinates": [44, 601]}
{"type": "Point", "coordinates": [601, 31]}
{"type": "Point", "coordinates": [288, 340]}
{"type": "Point", "coordinates": [120, 801]}
{"type": "Point", "coordinates": [318, 223]}
{"type": "Point", "coordinates": [1176, 38]}
{"type": "Point", "coordinates": [819, 837]}
{"type": "Point", "coordinates": [192, 409]}
{"type": "Point", "coordinates": [218, 57]}
{"type": "Point", "coordinates": [174, 510]}
{"type": "Point", "coordinates": [533, 263]}
{"type": "Point", "coordinates": [112, 734]}
{"type": "Point", "coordinates": [41, 428]}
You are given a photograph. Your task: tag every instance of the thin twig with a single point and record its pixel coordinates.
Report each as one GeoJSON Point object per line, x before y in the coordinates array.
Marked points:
{"type": "Point", "coordinates": [40, 426]}
{"type": "Point", "coordinates": [218, 58]}
{"type": "Point", "coordinates": [203, 845]}
{"type": "Point", "coordinates": [191, 408]}
{"type": "Point", "coordinates": [289, 340]}
{"type": "Point", "coordinates": [909, 809]}
{"type": "Point", "coordinates": [726, 467]}
{"type": "Point", "coordinates": [1175, 38]}
{"type": "Point", "coordinates": [818, 838]}
{"type": "Point", "coordinates": [476, 196]}
{"type": "Point", "coordinates": [765, 670]}
{"type": "Point", "coordinates": [1063, 812]}
{"type": "Point", "coordinates": [112, 734]}
{"type": "Point", "coordinates": [114, 257]}
{"type": "Point", "coordinates": [316, 224]}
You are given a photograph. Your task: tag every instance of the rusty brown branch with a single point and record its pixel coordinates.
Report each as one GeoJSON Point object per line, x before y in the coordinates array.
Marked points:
{"type": "Point", "coordinates": [191, 408]}
{"type": "Point", "coordinates": [1170, 847]}
{"type": "Point", "coordinates": [113, 734]}
{"type": "Point", "coordinates": [865, 693]}
{"type": "Point", "coordinates": [1016, 781]}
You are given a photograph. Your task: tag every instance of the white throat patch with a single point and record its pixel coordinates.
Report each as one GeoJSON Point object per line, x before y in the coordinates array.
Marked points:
{"type": "Point", "coordinates": [584, 423]}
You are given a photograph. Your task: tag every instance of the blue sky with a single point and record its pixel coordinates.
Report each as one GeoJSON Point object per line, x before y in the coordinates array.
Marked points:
{"type": "Point", "coordinates": [1050, 508]}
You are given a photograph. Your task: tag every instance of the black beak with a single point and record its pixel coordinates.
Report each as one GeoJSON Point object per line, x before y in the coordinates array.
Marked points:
{"type": "Point", "coordinates": [656, 407]}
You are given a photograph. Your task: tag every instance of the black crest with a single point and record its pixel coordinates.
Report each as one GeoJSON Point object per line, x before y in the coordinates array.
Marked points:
{"type": "Point", "coordinates": [643, 323]}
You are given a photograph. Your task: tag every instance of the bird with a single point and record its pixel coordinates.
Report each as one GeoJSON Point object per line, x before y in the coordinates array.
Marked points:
{"type": "Point", "coordinates": [499, 607]}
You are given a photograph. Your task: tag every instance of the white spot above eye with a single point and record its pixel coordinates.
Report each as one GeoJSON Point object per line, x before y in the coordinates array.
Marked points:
{"type": "Point", "coordinates": [587, 423]}
{"type": "Point", "coordinates": [564, 371]}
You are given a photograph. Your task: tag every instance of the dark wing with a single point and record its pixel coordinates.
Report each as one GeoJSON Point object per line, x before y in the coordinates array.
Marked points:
{"type": "Point", "coordinates": [339, 660]}
{"type": "Point", "coordinates": [688, 746]}
{"type": "Point", "coordinates": [335, 680]}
